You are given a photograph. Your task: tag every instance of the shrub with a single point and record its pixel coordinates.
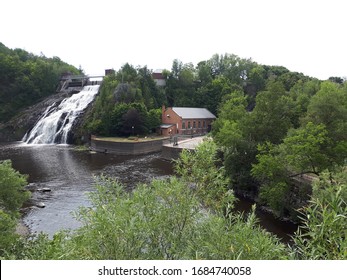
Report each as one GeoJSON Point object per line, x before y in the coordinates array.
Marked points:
{"type": "Point", "coordinates": [323, 234]}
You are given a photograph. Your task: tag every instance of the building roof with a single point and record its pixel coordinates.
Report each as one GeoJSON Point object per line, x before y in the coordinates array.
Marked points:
{"type": "Point", "coordinates": [166, 125]}
{"type": "Point", "coordinates": [193, 113]}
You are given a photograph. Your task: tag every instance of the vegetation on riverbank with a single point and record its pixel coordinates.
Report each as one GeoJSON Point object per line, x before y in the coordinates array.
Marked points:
{"type": "Point", "coordinates": [281, 138]}
{"type": "Point", "coordinates": [12, 197]}
{"type": "Point", "coordinates": [187, 217]}
{"type": "Point", "coordinates": [274, 128]}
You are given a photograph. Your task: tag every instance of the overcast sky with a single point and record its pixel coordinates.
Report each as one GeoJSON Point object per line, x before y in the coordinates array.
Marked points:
{"type": "Point", "coordinates": [302, 35]}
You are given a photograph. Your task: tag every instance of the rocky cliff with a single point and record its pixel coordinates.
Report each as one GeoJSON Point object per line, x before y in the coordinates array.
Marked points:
{"type": "Point", "coordinates": [15, 129]}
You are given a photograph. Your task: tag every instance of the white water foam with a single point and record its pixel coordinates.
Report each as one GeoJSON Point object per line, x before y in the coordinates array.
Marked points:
{"type": "Point", "coordinates": [56, 122]}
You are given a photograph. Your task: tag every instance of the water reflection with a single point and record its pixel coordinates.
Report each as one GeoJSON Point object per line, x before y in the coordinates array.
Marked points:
{"type": "Point", "coordinates": [69, 174]}
{"type": "Point", "coordinates": [283, 229]}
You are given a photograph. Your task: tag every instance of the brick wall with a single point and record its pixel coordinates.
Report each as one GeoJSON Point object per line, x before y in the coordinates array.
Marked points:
{"type": "Point", "coordinates": [190, 126]}
{"type": "Point", "coordinates": [168, 116]}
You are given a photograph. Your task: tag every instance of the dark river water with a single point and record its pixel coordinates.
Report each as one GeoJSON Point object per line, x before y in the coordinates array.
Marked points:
{"type": "Point", "coordinates": [69, 174]}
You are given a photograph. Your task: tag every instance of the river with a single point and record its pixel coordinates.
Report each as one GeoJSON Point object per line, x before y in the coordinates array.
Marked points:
{"type": "Point", "coordinates": [69, 174]}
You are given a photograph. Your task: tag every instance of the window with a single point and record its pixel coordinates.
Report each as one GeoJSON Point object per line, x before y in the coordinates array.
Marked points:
{"type": "Point", "coordinates": [204, 124]}
{"type": "Point", "coordinates": [199, 124]}
{"type": "Point", "coordinates": [183, 125]}
{"type": "Point", "coordinates": [194, 124]}
{"type": "Point", "coordinates": [188, 124]}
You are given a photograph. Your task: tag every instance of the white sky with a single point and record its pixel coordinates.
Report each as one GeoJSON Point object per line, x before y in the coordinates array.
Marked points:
{"type": "Point", "coordinates": [302, 35]}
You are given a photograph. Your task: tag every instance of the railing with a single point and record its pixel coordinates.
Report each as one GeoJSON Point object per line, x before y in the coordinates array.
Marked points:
{"type": "Point", "coordinates": [79, 77]}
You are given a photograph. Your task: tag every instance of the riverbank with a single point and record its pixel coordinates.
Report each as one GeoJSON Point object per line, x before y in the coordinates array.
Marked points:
{"type": "Point", "coordinates": [22, 229]}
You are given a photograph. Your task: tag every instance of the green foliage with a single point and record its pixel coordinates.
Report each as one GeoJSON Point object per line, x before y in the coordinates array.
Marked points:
{"type": "Point", "coordinates": [201, 169]}
{"type": "Point", "coordinates": [323, 234]}
{"type": "Point", "coordinates": [154, 222]}
{"type": "Point", "coordinates": [304, 149]}
{"type": "Point", "coordinates": [100, 120]}
{"type": "Point", "coordinates": [271, 172]}
{"type": "Point", "coordinates": [302, 152]}
{"type": "Point", "coordinates": [207, 83]}
{"type": "Point", "coordinates": [231, 131]}
{"type": "Point", "coordinates": [162, 220]}
{"type": "Point", "coordinates": [301, 94]}
{"type": "Point", "coordinates": [153, 119]}
{"type": "Point", "coordinates": [12, 193]}
{"type": "Point", "coordinates": [232, 112]}
{"type": "Point", "coordinates": [127, 99]}
{"type": "Point", "coordinates": [167, 219]}
{"type": "Point", "coordinates": [272, 115]}
{"type": "Point", "coordinates": [41, 247]}
{"type": "Point", "coordinates": [7, 237]}
{"type": "Point", "coordinates": [329, 107]}
{"type": "Point", "coordinates": [297, 126]}
{"type": "Point", "coordinates": [134, 120]}
{"type": "Point", "coordinates": [236, 238]}
{"type": "Point", "coordinates": [12, 196]}
{"type": "Point", "coordinates": [211, 95]}
{"type": "Point", "coordinates": [26, 79]}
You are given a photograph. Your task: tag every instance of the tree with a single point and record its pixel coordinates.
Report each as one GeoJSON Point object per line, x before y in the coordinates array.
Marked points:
{"type": "Point", "coordinates": [211, 95]}
{"type": "Point", "coordinates": [180, 86]}
{"type": "Point", "coordinates": [304, 151]}
{"type": "Point", "coordinates": [301, 94]}
{"type": "Point", "coordinates": [232, 132]}
{"type": "Point", "coordinates": [272, 115]}
{"type": "Point", "coordinates": [26, 79]}
{"type": "Point", "coordinates": [100, 120]}
{"type": "Point", "coordinates": [300, 153]}
{"type": "Point", "coordinates": [337, 80]}
{"type": "Point", "coordinates": [12, 197]}
{"type": "Point", "coordinates": [257, 77]}
{"type": "Point", "coordinates": [329, 107]}
{"type": "Point", "coordinates": [12, 193]}
{"type": "Point", "coordinates": [153, 119]}
{"type": "Point", "coordinates": [119, 110]}
{"type": "Point", "coordinates": [129, 118]}
{"type": "Point", "coordinates": [8, 238]}
{"type": "Point", "coordinates": [204, 73]}
{"type": "Point", "coordinates": [202, 169]}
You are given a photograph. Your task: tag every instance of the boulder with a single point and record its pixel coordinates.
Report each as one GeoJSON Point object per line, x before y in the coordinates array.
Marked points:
{"type": "Point", "coordinates": [40, 205]}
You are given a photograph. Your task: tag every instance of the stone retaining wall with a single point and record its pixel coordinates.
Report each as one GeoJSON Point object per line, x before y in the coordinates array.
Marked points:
{"type": "Point", "coordinates": [171, 153]}
{"type": "Point", "coordinates": [126, 148]}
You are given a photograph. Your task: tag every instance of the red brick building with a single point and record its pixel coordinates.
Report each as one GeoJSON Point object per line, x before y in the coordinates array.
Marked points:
{"type": "Point", "coordinates": [185, 121]}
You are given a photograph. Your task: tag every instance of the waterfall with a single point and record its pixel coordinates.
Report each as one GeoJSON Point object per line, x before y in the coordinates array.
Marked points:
{"type": "Point", "coordinates": [56, 122]}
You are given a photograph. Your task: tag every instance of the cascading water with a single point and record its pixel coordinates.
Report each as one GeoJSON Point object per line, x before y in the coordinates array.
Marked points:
{"type": "Point", "coordinates": [56, 122]}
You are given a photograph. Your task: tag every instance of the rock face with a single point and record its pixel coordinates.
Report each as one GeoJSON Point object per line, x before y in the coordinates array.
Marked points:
{"type": "Point", "coordinates": [15, 129]}
{"type": "Point", "coordinates": [78, 135]}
